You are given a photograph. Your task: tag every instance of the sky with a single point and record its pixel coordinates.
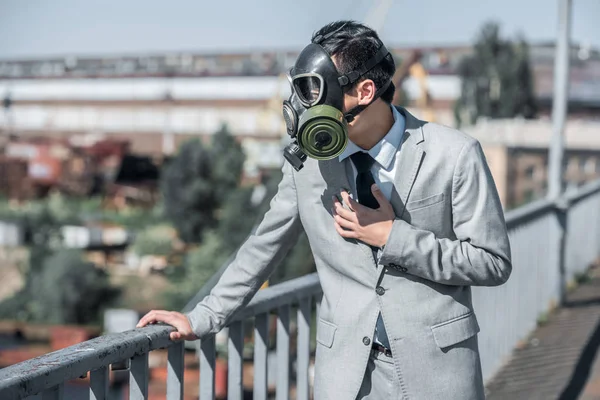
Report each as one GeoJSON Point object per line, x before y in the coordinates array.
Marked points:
{"type": "Point", "coordinates": [42, 28]}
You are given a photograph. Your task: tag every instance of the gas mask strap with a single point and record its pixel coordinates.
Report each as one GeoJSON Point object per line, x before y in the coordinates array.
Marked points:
{"type": "Point", "coordinates": [352, 76]}
{"type": "Point", "coordinates": [320, 38]}
{"type": "Point", "coordinates": [354, 111]}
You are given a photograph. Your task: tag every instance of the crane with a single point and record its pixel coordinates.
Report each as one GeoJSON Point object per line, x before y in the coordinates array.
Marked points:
{"type": "Point", "coordinates": [412, 66]}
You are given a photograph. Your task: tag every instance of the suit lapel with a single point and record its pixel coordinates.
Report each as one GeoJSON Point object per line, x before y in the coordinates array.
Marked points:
{"type": "Point", "coordinates": [337, 177]}
{"type": "Point", "coordinates": [337, 180]}
{"type": "Point", "coordinates": [410, 157]}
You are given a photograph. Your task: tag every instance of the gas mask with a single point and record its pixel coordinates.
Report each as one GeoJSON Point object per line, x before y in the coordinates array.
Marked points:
{"type": "Point", "coordinates": [313, 114]}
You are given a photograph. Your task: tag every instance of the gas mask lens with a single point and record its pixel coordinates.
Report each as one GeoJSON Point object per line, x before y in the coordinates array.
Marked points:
{"type": "Point", "coordinates": [309, 88]}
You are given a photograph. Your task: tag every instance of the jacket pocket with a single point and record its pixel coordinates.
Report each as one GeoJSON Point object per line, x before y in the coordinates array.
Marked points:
{"type": "Point", "coordinates": [325, 333]}
{"type": "Point", "coordinates": [426, 202]}
{"type": "Point", "coordinates": [455, 330]}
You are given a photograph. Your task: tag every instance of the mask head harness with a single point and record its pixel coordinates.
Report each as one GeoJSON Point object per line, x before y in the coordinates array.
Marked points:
{"type": "Point", "coordinates": [313, 113]}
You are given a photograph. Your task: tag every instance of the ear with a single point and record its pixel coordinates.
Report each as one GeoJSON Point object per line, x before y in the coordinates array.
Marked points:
{"type": "Point", "coordinates": [366, 91]}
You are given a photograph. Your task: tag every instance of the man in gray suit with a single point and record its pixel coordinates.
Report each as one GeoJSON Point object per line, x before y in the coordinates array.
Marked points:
{"type": "Point", "coordinates": [402, 221]}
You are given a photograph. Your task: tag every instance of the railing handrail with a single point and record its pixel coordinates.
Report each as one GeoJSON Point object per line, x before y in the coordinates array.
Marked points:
{"type": "Point", "coordinates": [536, 208]}
{"type": "Point", "coordinates": [33, 376]}
{"type": "Point", "coordinates": [39, 373]}
{"type": "Point", "coordinates": [528, 212]}
{"type": "Point", "coordinates": [582, 192]}
{"type": "Point", "coordinates": [279, 295]}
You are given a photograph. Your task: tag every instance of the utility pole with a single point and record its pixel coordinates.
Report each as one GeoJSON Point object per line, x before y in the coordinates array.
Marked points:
{"type": "Point", "coordinates": [7, 103]}
{"type": "Point", "coordinates": [559, 115]}
{"type": "Point", "coordinates": [168, 139]}
{"type": "Point", "coordinates": [560, 100]}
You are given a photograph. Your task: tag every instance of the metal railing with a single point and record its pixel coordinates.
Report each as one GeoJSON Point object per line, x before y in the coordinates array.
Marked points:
{"type": "Point", "coordinates": [48, 373]}
{"type": "Point", "coordinates": [552, 242]}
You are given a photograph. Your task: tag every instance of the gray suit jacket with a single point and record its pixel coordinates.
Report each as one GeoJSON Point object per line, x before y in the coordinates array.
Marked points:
{"type": "Point", "coordinates": [449, 234]}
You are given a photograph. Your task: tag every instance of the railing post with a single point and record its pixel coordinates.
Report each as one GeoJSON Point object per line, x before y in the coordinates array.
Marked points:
{"type": "Point", "coordinates": [175, 372]}
{"type": "Point", "coordinates": [283, 353]}
{"type": "Point", "coordinates": [560, 100]}
{"type": "Point", "coordinates": [207, 368]}
{"type": "Point", "coordinates": [138, 378]}
{"type": "Point", "coordinates": [235, 384]}
{"type": "Point", "coordinates": [99, 383]}
{"type": "Point", "coordinates": [562, 215]}
{"type": "Point", "coordinates": [303, 359]}
{"type": "Point", "coordinates": [261, 342]}
{"type": "Point", "coordinates": [54, 393]}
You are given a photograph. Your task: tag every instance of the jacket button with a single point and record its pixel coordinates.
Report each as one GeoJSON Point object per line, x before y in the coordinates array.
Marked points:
{"type": "Point", "coordinates": [366, 341]}
{"type": "Point", "coordinates": [380, 291]}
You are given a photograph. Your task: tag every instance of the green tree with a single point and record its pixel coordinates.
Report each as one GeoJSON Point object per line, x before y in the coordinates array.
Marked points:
{"type": "Point", "coordinates": [199, 265]}
{"type": "Point", "coordinates": [198, 180]}
{"type": "Point", "coordinates": [154, 240]}
{"type": "Point", "coordinates": [64, 289]}
{"type": "Point", "coordinates": [228, 159]}
{"type": "Point", "coordinates": [186, 189]}
{"type": "Point", "coordinates": [496, 79]}
{"type": "Point", "coordinates": [238, 216]}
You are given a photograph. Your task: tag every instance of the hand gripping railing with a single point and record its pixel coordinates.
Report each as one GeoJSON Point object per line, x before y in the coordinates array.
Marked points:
{"type": "Point", "coordinates": [48, 373]}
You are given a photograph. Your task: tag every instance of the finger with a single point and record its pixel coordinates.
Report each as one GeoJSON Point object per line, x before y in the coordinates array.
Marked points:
{"type": "Point", "coordinates": [156, 316]}
{"type": "Point", "coordinates": [344, 213]}
{"type": "Point", "coordinates": [335, 200]}
{"type": "Point", "coordinates": [347, 199]}
{"type": "Point", "coordinates": [167, 317]}
{"type": "Point", "coordinates": [146, 319]}
{"type": "Point", "coordinates": [353, 204]}
{"type": "Point", "coordinates": [344, 223]}
{"type": "Point", "coordinates": [175, 336]}
{"type": "Point", "coordinates": [343, 233]}
{"type": "Point", "coordinates": [379, 196]}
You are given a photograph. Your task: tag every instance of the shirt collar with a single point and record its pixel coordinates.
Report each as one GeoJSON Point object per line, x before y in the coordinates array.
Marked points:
{"type": "Point", "coordinates": [385, 150]}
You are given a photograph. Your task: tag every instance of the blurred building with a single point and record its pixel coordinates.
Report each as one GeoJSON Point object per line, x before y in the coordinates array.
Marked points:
{"type": "Point", "coordinates": [32, 166]}
{"type": "Point", "coordinates": [158, 101]}
{"type": "Point", "coordinates": [517, 153]}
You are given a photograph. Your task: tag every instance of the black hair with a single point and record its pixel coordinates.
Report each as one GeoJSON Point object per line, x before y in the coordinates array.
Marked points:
{"type": "Point", "coordinates": [353, 44]}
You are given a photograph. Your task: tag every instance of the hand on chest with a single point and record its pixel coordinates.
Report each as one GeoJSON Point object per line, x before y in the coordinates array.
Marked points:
{"type": "Point", "coordinates": [414, 192]}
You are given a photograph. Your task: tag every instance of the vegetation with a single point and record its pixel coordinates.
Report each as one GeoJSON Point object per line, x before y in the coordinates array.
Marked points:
{"type": "Point", "coordinates": [155, 240]}
{"type": "Point", "coordinates": [202, 204]}
{"type": "Point", "coordinates": [197, 182]}
{"type": "Point", "coordinates": [240, 211]}
{"type": "Point", "coordinates": [60, 288]}
{"type": "Point", "coordinates": [496, 80]}
{"type": "Point", "coordinates": [63, 210]}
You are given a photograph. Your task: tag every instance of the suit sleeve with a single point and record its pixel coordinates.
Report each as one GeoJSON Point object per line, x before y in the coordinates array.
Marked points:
{"type": "Point", "coordinates": [254, 262]}
{"type": "Point", "coordinates": [480, 254]}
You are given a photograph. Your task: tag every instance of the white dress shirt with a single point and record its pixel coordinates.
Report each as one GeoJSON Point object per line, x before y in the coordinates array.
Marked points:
{"type": "Point", "coordinates": [385, 153]}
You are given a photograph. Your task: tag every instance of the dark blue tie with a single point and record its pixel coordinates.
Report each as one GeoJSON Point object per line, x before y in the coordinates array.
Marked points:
{"type": "Point", "coordinates": [364, 179]}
